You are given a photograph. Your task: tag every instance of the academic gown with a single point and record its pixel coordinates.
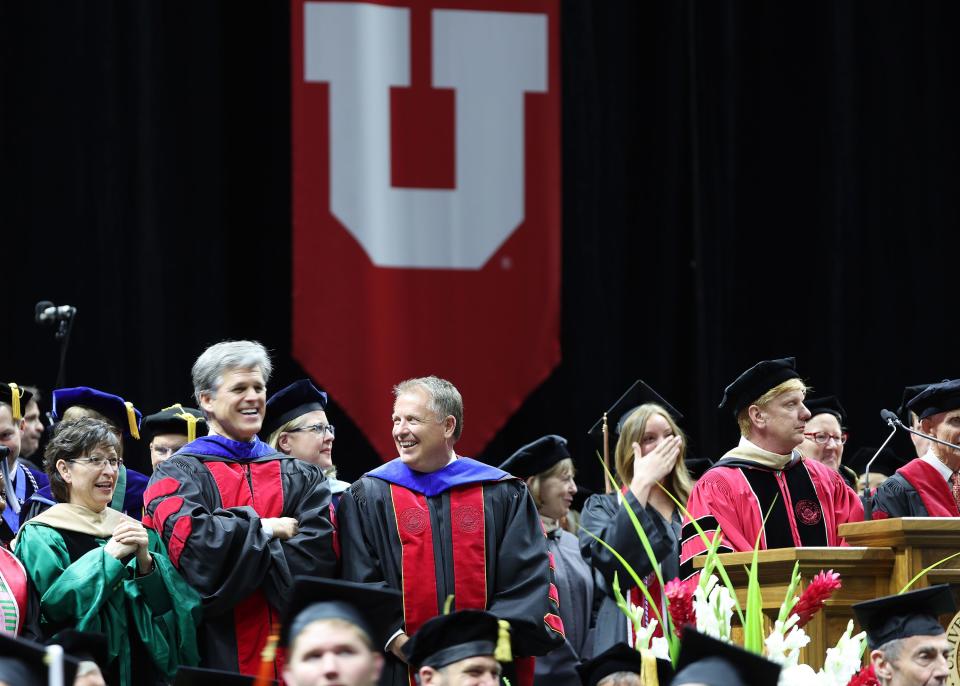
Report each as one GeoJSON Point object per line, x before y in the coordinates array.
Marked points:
{"type": "Point", "coordinates": [150, 621]}
{"type": "Point", "coordinates": [207, 501]}
{"type": "Point", "coordinates": [127, 497]}
{"type": "Point", "coordinates": [604, 516]}
{"type": "Point", "coordinates": [809, 501]}
{"type": "Point", "coordinates": [467, 530]}
{"type": "Point", "coordinates": [916, 490]}
{"type": "Point", "coordinates": [19, 604]}
{"type": "Point", "coordinates": [28, 482]}
{"type": "Point", "coordinates": [574, 582]}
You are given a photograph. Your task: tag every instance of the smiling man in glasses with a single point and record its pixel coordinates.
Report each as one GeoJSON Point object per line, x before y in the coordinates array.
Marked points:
{"type": "Point", "coordinates": [928, 486]}
{"type": "Point", "coordinates": [825, 435]}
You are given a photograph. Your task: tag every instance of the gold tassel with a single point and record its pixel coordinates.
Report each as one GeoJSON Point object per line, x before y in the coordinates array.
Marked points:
{"type": "Point", "coordinates": [267, 657]}
{"type": "Point", "coordinates": [132, 420]}
{"type": "Point", "coordinates": [648, 669]}
{"type": "Point", "coordinates": [448, 604]}
{"type": "Point", "coordinates": [188, 418]}
{"type": "Point", "coordinates": [15, 402]}
{"type": "Point", "coordinates": [503, 653]}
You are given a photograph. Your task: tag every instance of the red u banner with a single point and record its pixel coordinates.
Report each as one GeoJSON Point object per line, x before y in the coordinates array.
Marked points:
{"type": "Point", "coordinates": [426, 202]}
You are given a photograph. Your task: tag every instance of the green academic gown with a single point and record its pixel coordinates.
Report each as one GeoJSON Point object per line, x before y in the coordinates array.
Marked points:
{"type": "Point", "coordinates": [146, 619]}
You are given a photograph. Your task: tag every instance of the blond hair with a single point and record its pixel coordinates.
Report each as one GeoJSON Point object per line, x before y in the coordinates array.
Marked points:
{"type": "Point", "coordinates": [678, 483]}
{"type": "Point", "coordinates": [561, 469]}
{"type": "Point", "coordinates": [743, 416]}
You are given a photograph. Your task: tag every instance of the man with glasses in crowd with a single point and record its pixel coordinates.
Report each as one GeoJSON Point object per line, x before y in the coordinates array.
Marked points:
{"type": "Point", "coordinates": [826, 434]}
{"type": "Point", "coordinates": [928, 486]}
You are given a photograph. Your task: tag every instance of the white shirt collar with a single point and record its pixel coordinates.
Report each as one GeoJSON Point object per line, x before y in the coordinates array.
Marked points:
{"type": "Point", "coordinates": [935, 462]}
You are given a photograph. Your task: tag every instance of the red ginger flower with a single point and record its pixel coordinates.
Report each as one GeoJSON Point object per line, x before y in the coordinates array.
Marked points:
{"type": "Point", "coordinates": [815, 595]}
{"type": "Point", "coordinates": [680, 595]}
{"type": "Point", "coordinates": [865, 677]}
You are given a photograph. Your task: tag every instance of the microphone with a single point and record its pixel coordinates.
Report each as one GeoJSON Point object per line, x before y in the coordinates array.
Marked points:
{"type": "Point", "coordinates": [46, 312]}
{"type": "Point", "coordinates": [889, 417]}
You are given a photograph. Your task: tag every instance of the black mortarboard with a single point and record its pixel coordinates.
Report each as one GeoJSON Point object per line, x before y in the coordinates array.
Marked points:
{"type": "Point", "coordinates": [756, 381]}
{"type": "Point", "coordinates": [185, 421]}
{"type": "Point", "coordinates": [619, 658]}
{"type": "Point", "coordinates": [16, 397]}
{"type": "Point", "coordinates": [198, 676]}
{"type": "Point", "coordinates": [707, 660]}
{"type": "Point", "coordinates": [24, 662]}
{"type": "Point", "coordinates": [122, 413]}
{"type": "Point", "coordinates": [84, 645]}
{"type": "Point", "coordinates": [537, 457]}
{"type": "Point", "coordinates": [907, 614]}
{"type": "Point", "coordinates": [936, 398]}
{"type": "Point", "coordinates": [887, 461]}
{"type": "Point", "coordinates": [827, 404]}
{"type": "Point", "coordinates": [698, 466]}
{"type": "Point", "coordinates": [291, 402]}
{"type": "Point", "coordinates": [909, 393]}
{"type": "Point", "coordinates": [446, 639]}
{"type": "Point", "coordinates": [363, 605]}
{"type": "Point", "coordinates": [638, 394]}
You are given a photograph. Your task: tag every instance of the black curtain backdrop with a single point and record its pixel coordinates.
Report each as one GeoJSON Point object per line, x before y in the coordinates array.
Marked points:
{"type": "Point", "coordinates": [741, 181]}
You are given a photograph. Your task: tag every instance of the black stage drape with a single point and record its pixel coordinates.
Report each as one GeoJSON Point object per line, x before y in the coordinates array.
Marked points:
{"type": "Point", "coordinates": [741, 181]}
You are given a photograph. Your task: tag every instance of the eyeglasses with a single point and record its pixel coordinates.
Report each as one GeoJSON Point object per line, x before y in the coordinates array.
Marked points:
{"type": "Point", "coordinates": [316, 428]}
{"type": "Point", "coordinates": [98, 461]}
{"type": "Point", "coordinates": [822, 437]}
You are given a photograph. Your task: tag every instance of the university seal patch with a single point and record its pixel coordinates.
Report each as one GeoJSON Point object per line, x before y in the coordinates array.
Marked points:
{"type": "Point", "coordinates": [808, 512]}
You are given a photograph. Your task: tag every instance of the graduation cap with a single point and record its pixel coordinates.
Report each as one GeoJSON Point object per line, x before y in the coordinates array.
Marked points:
{"type": "Point", "coordinates": [17, 398]}
{"type": "Point", "coordinates": [537, 457]}
{"type": "Point", "coordinates": [887, 461]}
{"type": "Point", "coordinates": [909, 393]}
{"type": "Point", "coordinates": [827, 404]}
{"type": "Point", "coordinates": [199, 676]}
{"type": "Point", "coordinates": [907, 614]}
{"type": "Point", "coordinates": [638, 394]}
{"type": "Point", "coordinates": [25, 663]}
{"type": "Point", "coordinates": [619, 658]}
{"type": "Point", "coordinates": [446, 639]}
{"type": "Point", "coordinates": [936, 398]}
{"type": "Point", "coordinates": [707, 660]}
{"type": "Point", "coordinates": [122, 413]}
{"type": "Point", "coordinates": [86, 646]}
{"type": "Point", "coordinates": [698, 466]}
{"type": "Point", "coordinates": [756, 381]}
{"type": "Point", "coordinates": [363, 605]}
{"type": "Point", "coordinates": [185, 421]}
{"type": "Point", "coordinates": [291, 402]}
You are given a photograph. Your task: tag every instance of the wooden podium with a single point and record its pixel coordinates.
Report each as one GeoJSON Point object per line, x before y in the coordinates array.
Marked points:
{"type": "Point", "coordinates": [884, 556]}
{"type": "Point", "coordinates": [864, 574]}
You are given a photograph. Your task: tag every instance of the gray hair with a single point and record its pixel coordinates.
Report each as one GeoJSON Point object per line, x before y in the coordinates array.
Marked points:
{"type": "Point", "coordinates": [891, 649]}
{"type": "Point", "coordinates": [445, 400]}
{"type": "Point", "coordinates": [216, 360]}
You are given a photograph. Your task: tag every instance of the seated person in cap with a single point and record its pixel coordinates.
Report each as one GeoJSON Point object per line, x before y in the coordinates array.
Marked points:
{"type": "Point", "coordinates": [170, 429]}
{"type": "Point", "coordinates": [650, 461]}
{"type": "Point", "coordinates": [908, 646]}
{"type": "Point", "coordinates": [432, 524]}
{"type": "Point", "coordinates": [547, 468]}
{"type": "Point", "coordinates": [462, 647]}
{"type": "Point", "coordinates": [20, 481]}
{"type": "Point", "coordinates": [928, 486]}
{"type": "Point", "coordinates": [96, 569]}
{"type": "Point", "coordinates": [910, 418]}
{"type": "Point", "coordinates": [706, 661]}
{"type": "Point", "coordinates": [826, 434]}
{"type": "Point", "coordinates": [32, 430]}
{"type": "Point", "coordinates": [70, 404]}
{"type": "Point", "coordinates": [240, 519]}
{"type": "Point", "coordinates": [296, 424]}
{"type": "Point", "coordinates": [806, 500]}
{"type": "Point", "coordinates": [621, 665]}
{"type": "Point", "coordinates": [333, 632]}
{"type": "Point", "coordinates": [90, 650]}
{"type": "Point", "coordinates": [26, 663]}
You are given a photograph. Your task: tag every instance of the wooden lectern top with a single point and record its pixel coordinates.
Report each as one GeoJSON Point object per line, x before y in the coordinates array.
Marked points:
{"type": "Point", "coordinates": [937, 532]}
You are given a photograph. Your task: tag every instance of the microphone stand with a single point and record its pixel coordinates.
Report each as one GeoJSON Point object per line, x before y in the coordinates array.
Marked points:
{"type": "Point", "coordinates": [867, 495]}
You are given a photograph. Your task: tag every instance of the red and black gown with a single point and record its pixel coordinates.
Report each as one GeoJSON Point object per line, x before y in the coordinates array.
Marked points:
{"type": "Point", "coordinates": [917, 489]}
{"type": "Point", "coordinates": [468, 530]}
{"type": "Point", "coordinates": [206, 502]}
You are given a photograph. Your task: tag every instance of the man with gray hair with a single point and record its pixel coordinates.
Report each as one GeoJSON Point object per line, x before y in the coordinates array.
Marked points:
{"type": "Point", "coordinates": [435, 525]}
{"type": "Point", "coordinates": [240, 520]}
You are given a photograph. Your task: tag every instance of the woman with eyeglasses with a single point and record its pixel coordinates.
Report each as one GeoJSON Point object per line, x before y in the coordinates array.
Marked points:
{"type": "Point", "coordinates": [296, 423]}
{"type": "Point", "coordinates": [96, 569]}
{"type": "Point", "coordinates": [824, 435]}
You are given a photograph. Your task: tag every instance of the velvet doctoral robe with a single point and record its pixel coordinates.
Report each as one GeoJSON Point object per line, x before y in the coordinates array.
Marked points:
{"type": "Point", "coordinates": [916, 490]}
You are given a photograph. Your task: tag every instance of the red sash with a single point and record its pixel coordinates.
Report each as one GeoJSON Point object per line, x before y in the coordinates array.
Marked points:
{"type": "Point", "coordinates": [417, 564]}
{"type": "Point", "coordinates": [13, 593]}
{"type": "Point", "coordinates": [933, 489]}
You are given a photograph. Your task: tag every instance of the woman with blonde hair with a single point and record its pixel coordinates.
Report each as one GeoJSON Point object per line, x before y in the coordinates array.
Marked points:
{"type": "Point", "coordinates": [649, 463]}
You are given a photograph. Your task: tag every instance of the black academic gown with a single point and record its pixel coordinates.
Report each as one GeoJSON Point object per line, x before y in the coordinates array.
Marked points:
{"type": "Point", "coordinates": [516, 570]}
{"type": "Point", "coordinates": [207, 502]}
{"type": "Point", "coordinates": [916, 490]}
